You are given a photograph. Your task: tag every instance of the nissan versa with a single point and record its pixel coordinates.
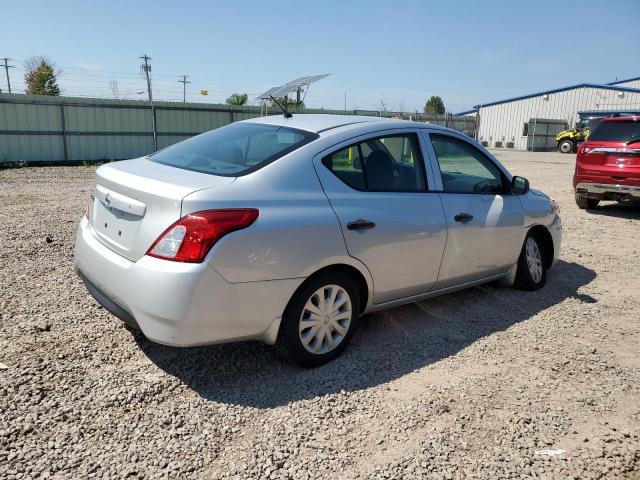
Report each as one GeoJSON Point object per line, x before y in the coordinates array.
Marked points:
{"type": "Point", "coordinates": [288, 230]}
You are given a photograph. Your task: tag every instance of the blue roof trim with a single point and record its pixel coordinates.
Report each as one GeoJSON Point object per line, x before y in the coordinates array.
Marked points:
{"type": "Point", "coordinates": [466, 112]}
{"type": "Point", "coordinates": [609, 112]}
{"type": "Point", "coordinates": [617, 82]}
{"type": "Point", "coordinates": [557, 90]}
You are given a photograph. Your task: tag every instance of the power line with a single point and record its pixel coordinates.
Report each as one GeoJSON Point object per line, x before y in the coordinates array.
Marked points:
{"type": "Point", "coordinates": [87, 82]}
{"type": "Point", "coordinates": [184, 82]}
{"type": "Point", "coordinates": [6, 69]}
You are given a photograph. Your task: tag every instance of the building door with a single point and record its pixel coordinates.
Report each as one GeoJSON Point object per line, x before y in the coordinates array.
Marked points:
{"type": "Point", "coordinates": [541, 134]}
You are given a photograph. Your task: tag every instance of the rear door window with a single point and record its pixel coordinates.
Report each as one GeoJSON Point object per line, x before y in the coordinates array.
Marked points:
{"type": "Point", "coordinates": [385, 164]}
{"type": "Point", "coordinates": [234, 150]}
{"type": "Point", "coordinates": [617, 131]}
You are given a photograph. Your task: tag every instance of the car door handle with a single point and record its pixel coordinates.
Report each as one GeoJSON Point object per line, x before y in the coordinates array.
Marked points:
{"type": "Point", "coordinates": [463, 217]}
{"type": "Point", "coordinates": [360, 224]}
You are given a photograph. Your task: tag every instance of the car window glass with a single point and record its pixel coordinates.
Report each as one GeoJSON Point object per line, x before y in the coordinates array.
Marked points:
{"type": "Point", "coordinates": [233, 150]}
{"type": "Point", "coordinates": [365, 148]}
{"type": "Point", "coordinates": [346, 164]}
{"type": "Point", "coordinates": [385, 164]}
{"type": "Point", "coordinates": [394, 164]}
{"type": "Point", "coordinates": [464, 168]}
{"type": "Point", "coordinates": [617, 131]}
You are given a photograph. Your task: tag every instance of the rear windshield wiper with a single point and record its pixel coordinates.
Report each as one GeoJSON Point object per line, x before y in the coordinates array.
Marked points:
{"type": "Point", "coordinates": [634, 140]}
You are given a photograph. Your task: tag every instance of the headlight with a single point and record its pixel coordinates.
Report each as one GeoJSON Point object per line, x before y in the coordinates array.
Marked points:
{"type": "Point", "coordinates": [554, 205]}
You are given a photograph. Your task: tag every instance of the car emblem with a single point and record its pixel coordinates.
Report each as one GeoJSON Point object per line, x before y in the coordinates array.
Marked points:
{"type": "Point", "coordinates": [107, 199]}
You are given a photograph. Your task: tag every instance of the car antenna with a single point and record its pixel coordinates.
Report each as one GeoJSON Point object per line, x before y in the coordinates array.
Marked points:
{"type": "Point", "coordinates": [284, 109]}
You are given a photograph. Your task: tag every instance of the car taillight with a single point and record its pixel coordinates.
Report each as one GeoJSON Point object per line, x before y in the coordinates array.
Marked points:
{"type": "Point", "coordinates": [89, 211]}
{"type": "Point", "coordinates": [191, 237]}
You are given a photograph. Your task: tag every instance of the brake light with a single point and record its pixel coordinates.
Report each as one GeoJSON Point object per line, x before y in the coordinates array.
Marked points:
{"type": "Point", "coordinates": [191, 237]}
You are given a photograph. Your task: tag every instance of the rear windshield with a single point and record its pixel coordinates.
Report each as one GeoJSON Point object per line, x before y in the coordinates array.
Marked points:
{"type": "Point", "coordinates": [234, 150]}
{"type": "Point", "coordinates": [619, 131]}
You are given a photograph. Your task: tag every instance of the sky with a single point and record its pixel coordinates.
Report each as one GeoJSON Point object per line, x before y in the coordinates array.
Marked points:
{"type": "Point", "coordinates": [391, 54]}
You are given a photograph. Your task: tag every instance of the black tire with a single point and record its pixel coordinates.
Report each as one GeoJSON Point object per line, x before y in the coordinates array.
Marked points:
{"type": "Point", "coordinates": [585, 202]}
{"type": "Point", "coordinates": [524, 278]}
{"type": "Point", "coordinates": [566, 146]}
{"type": "Point", "coordinates": [289, 344]}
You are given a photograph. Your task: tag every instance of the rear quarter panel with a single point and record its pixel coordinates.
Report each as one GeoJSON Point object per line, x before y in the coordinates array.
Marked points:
{"type": "Point", "coordinates": [296, 233]}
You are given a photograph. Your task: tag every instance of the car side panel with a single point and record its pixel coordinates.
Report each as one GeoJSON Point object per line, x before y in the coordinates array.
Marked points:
{"type": "Point", "coordinates": [487, 245]}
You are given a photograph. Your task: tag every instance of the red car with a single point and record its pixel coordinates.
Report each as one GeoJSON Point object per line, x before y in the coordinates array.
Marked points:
{"type": "Point", "coordinates": [608, 163]}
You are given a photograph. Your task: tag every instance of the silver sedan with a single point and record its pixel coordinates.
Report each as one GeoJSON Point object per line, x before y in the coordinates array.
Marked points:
{"type": "Point", "coordinates": [289, 230]}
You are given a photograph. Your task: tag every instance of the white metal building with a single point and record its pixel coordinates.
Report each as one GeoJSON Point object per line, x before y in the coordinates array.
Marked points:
{"type": "Point", "coordinates": [506, 123]}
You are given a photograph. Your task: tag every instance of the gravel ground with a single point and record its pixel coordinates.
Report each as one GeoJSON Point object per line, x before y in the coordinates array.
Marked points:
{"type": "Point", "coordinates": [477, 384]}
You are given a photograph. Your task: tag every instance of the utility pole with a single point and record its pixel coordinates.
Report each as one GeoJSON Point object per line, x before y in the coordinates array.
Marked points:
{"type": "Point", "coordinates": [6, 69]}
{"type": "Point", "coordinates": [184, 82]}
{"type": "Point", "coordinates": [146, 69]}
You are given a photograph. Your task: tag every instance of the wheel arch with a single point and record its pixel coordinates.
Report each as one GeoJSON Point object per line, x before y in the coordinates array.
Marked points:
{"type": "Point", "coordinates": [363, 284]}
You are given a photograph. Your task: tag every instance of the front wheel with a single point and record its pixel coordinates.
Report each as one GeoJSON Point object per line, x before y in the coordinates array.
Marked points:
{"type": "Point", "coordinates": [531, 273]}
{"type": "Point", "coordinates": [566, 146]}
{"type": "Point", "coordinates": [319, 320]}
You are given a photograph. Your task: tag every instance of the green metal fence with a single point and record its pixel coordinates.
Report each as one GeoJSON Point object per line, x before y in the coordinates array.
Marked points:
{"type": "Point", "coordinates": [41, 129]}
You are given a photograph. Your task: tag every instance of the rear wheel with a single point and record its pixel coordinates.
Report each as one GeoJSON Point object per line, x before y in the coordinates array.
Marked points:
{"type": "Point", "coordinates": [320, 319]}
{"type": "Point", "coordinates": [585, 202]}
{"type": "Point", "coordinates": [566, 146]}
{"type": "Point", "coordinates": [531, 273]}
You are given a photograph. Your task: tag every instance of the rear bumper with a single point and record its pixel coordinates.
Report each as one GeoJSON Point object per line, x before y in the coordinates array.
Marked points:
{"type": "Point", "coordinates": [180, 304]}
{"type": "Point", "coordinates": [108, 303]}
{"type": "Point", "coordinates": [609, 191]}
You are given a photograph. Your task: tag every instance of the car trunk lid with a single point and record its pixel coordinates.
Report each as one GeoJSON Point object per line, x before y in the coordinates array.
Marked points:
{"type": "Point", "coordinates": [616, 160]}
{"type": "Point", "coordinates": [613, 149]}
{"type": "Point", "coordinates": [136, 200]}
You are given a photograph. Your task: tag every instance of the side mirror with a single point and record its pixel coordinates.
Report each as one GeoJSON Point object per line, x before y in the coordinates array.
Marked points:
{"type": "Point", "coordinates": [519, 185]}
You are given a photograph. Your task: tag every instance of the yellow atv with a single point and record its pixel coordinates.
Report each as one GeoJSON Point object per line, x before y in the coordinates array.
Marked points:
{"type": "Point", "coordinates": [567, 141]}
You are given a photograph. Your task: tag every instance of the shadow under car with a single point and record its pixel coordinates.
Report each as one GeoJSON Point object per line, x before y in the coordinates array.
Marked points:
{"type": "Point", "coordinates": [387, 345]}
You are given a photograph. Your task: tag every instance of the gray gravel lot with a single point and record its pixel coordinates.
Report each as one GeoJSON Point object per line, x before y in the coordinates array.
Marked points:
{"type": "Point", "coordinates": [476, 384]}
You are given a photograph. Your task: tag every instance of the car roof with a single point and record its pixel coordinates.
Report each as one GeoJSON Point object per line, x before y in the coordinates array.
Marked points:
{"type": "Point", "coordinates": [318, 122]}
{"type": "Point", "coordinates": [628, 118]}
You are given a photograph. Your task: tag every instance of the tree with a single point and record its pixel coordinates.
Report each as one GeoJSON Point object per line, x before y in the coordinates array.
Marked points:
{"type": "Point", "coordinates": [434, 106]}
{"type": "Point", "coordinates": [238, 99]}
{"type": "Point", "coordinates": [41, 76]}
{"type": "Point", "coordinates": [113, 85]}
{"type": "Point", "coordinates": [383, 105]}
